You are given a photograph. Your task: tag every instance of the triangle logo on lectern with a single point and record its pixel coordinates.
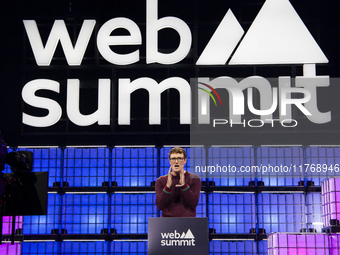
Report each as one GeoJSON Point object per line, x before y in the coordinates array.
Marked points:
{"type": "Point", "coordinates": [277, 36]}
{"type": "Point", "coordinates": [189, 235]}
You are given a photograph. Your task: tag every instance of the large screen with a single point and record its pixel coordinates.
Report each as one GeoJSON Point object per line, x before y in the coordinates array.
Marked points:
{"type": "Point", "coordinates": [170, 72]}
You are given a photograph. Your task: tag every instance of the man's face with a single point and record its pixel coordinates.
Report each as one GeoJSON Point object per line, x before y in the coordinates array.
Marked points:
{"type": "Point", "coordinates": [177, 161]}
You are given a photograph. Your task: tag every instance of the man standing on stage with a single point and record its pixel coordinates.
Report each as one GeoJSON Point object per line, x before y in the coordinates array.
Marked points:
{"type": "Point", "coordinates": [178, 192]}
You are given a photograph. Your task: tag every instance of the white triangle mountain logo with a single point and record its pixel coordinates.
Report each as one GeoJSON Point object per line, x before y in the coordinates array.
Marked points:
{"type": "Point", "coordinates": [188, 235]}
{"type": "Point", "coordinates": [277, 36]}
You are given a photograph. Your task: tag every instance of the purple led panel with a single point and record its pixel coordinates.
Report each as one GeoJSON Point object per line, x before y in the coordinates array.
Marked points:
{"type": "Point", "coordinates": [7, 224]}
{"type": "Point", "coordinates": [330, 198]}
{"type": "Point", "coordinates": [9, 249]}
{"type": "Point", "coordinates": [334, 243]}
{"type": "Point", "coordinates": [298, 244]}
{"type": "Point", "coordinates": [6, 248]}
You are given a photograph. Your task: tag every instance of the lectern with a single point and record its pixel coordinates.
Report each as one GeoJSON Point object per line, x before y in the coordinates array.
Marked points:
{"type": "Point", "coordinates": [169, 236]}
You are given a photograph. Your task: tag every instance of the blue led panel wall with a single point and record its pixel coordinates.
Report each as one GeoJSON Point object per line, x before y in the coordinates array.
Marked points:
{"type": "Point", "coordinates": [44, 224]}
{"type": "Point", "coordinates": [201, 209]}
{"type": "Point", "coordinates": [130, 212]}
{"type": "Point", "coordinates": [283, 165]}
{"type": "Point", "coordinates": [228, 162]}
{"type": "Point", "coordinates": [47, 248]}
{"type": "Point", "coordinates": [84, 248]}
{"type": "Point", "coordinates": [134, 166]}
{"type": "Point", "coordinates": [84, 167]}
{"type": "Point", "coordinates": [323, 162]}
{"type": "Point", "coordinates": [314, 211]}
{"type": "Point", "coordinates": [129, 247]}
{"type": "Point", "coordinates": [281, 212]}
{"type": "Point", "coordinates": [84, 214]}
{"type": "Point", "coordinates": [262, 247]}
{"type": "Point", "coordinates": [232, 213]}
{"type": "Point", "coordinates": [218, 247]}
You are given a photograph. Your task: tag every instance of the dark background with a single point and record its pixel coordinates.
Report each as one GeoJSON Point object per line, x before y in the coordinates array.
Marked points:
{"type": "Point", "coordinates": [18, 67]}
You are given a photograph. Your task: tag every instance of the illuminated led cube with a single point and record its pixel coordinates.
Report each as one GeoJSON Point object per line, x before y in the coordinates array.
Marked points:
{"type": "Point", "coordinates": [9, 249]}
{"type": "Point", "coordinates": [7, 224]}
{"type": "Point", "coordinates": [298, 244]}
{"type": "Point", "coordinates": [330, 198]}
{"type": "Point", "coordinates": [334, 243]}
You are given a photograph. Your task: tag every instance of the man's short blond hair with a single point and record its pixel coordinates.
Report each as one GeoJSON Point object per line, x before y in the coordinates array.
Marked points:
{"type": "Point", "coordinates": [178, 150]}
